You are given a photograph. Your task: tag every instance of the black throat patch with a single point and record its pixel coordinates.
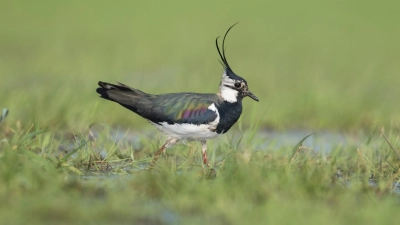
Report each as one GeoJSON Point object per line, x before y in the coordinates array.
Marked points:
{"type": "Point", "coordinates": [229, 113]}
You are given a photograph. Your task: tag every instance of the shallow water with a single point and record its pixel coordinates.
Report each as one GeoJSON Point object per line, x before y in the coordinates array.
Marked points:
{"type": "Point", "coordinates": [322, 141]}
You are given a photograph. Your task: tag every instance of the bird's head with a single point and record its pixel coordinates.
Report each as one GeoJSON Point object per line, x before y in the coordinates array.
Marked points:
{"type": "Point", "coordinates": [232, 87]}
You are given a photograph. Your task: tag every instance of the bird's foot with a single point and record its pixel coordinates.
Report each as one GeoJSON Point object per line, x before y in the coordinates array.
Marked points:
{"type": "Point", "coordinates": [168, 143]}
{"type": "Point", "coordinates": [205, 159]}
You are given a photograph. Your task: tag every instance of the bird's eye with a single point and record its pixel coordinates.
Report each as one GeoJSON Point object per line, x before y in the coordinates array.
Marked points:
{"type": "Point", "coordinates": [238, 85]}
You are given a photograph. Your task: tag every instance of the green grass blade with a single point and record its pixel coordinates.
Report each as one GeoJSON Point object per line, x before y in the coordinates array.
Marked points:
{"type": "Point", "coordinates": [390, 145]}
{"type": "Point", "coordinates": [299, 144]}
{"type": "Point", "coordinates": [64, 159]}
{"type": "Point", "coordinates": [371, 136]}
{"type": "Point", "coordinates": [31, 135]}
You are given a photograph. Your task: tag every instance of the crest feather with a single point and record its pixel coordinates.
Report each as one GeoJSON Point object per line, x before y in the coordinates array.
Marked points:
{"type": "Point", "coordinates": [223, 60]}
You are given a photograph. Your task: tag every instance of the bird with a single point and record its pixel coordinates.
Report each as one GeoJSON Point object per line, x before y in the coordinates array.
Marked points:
{"type": "Point", "coordinates": [187, 116]}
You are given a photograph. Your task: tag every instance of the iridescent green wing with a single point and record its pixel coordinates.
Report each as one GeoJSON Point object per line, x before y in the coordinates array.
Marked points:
{"type": "Point", "coordinates": [182, 108]}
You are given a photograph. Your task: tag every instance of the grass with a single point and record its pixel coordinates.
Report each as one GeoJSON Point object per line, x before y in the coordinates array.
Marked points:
{"type": "Point", "coordinates": [314, 65]}
{"type": "Point", "coordinates": [270, 185]}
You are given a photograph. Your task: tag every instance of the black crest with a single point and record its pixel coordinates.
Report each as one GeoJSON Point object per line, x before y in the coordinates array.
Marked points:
{"type": "Point", "coordinates": [223, 60]}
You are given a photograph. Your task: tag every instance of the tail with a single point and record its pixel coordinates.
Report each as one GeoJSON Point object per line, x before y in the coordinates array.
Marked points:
{"type": "Point", "coordinates": [120, 93]}
{"type": "Point", "coordinates": [130, 98]}
{"type": "Point", "coordinates": [104, 89]}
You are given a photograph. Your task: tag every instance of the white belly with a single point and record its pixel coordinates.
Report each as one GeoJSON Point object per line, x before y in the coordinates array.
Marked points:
{"type": "Point", "coordinates": [187, 131]}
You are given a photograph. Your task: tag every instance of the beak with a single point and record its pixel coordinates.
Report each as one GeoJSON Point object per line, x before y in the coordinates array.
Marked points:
{"type": "Point", "coordinates": [251, 95]}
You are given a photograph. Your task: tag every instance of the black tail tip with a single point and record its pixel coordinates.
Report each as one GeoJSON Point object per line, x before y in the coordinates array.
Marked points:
{"type": "Point", "coordinates": [102, 84]}
{"type": "Point", "coordinates": [102, 90]}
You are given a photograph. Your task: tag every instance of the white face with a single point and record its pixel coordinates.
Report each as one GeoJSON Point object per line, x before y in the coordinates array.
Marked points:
{"type": "Point", "coordinates": [227, 89]}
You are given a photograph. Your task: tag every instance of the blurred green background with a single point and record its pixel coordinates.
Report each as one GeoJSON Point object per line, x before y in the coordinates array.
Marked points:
{"type": "Point", "coordinates": [313, 64]}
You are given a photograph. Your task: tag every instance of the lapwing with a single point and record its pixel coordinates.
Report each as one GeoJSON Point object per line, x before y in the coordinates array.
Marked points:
{"type": "Point", "coordinates": [187, 116]}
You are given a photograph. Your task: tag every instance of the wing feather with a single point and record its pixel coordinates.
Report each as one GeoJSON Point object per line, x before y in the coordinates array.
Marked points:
{"type": "Point", "coordinates": [182, 108]}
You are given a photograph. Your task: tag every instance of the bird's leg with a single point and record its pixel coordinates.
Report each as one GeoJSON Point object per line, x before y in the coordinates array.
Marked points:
{"type": "Point", "coordinates": [167, 144]}
{"type": "Point", "coordinates": [204, 151]}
